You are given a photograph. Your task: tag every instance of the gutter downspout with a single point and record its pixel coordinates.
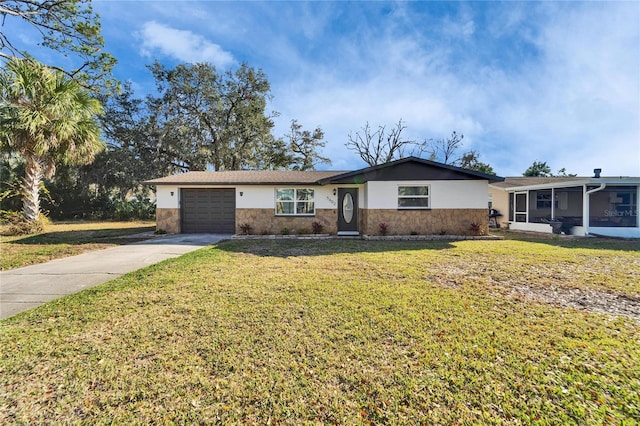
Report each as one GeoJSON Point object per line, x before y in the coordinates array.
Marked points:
{"type": "Point", "coordinates": [585, 205]}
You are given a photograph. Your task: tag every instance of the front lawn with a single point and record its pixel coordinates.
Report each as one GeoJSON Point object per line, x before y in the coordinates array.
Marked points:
{"type": "Point", "coordinates": [66, 239]}
{"type": "Point", "coordinates": [337, 332]}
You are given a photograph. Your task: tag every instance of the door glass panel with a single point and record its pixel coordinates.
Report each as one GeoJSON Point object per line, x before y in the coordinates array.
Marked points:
{"type": "Point", "coordinates": [521, 207]}
{"type": "Point", "coordinates": [347, 207]}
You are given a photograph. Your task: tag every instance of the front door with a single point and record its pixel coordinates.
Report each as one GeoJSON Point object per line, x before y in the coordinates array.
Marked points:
{"type": "Point", "coordinates": [348, 211]}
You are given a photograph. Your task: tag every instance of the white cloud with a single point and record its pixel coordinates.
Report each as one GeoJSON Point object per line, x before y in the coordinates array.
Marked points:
{"type": "Point", "coordinates": [573, 101]}
{"type": "Point", "coordinates": [381, 76]}
{"type": "Point", "coordinates": [461, 26]}
{"type": "Point", "coordinates": [552, 81]}
{"type": "Point", "coordinates": [182, 45]}
{"type": "Point", "coordinates": [578, 107]}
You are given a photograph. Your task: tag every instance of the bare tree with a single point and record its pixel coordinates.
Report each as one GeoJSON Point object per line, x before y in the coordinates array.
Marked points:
{"type": "Point", "coordinates": [381, 146]}
{"type": "Point", "coordinates": [446, 151]}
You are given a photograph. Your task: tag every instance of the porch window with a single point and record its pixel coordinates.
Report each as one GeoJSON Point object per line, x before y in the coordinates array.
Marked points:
{"type": "Point", "coordinates": [614, 206]}
{"type": "Point", "coordinates": [544, 200]}
{"type": "Point", "coordinates": [292, 202]}
{"type": "Point", "coordinates": [413, 197]}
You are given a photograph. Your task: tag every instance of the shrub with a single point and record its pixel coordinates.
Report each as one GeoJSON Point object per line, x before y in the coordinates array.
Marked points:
{"type": "Point", "coordinates": [17, 225]}
{"type": "Point", "coordinates": [476, 229]}
{"type": "Point", "coordinates": [317, 227]}
{"type": "Point", "coordinates": [8, 217]}
{"type": "Point", "coordinates": [285, 231]}
{"type": "Point", "coordinates": [246, 228]}
{"type": "Point", "coordinates": [139, 208]}
{"type": "Point", "coordinates": [384, 228]}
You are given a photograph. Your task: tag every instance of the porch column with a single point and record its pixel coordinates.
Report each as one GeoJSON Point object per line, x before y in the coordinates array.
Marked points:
{"type": "Point", "coordinates": [585, 209]}
{"type": "Point", "coordinates": [638, 206]}
{"type": "Point", "coordinates": [585, 204]}
{"type": "Point", "coordinates": [553, 203]}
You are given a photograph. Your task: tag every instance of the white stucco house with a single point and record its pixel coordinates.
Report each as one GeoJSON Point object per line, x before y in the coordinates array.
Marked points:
{"type": "Point", "coordinates": [606, 206]}
{"type": "Point", "coordinates": [410, 196]}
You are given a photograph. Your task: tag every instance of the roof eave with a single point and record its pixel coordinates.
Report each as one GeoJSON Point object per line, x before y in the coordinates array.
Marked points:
{"type": "Point", "coordinates": [152, 183]}
{"type": "Point", "coordinates": [574, 183]}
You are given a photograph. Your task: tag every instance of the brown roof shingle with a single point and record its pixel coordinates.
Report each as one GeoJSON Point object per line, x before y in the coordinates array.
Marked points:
{"type": "Point", "coordinates": [526, 182]}
{"type": "Point", "coordinates": [245, 177]}
{"type": "Point", "coordinates": [510, 182]}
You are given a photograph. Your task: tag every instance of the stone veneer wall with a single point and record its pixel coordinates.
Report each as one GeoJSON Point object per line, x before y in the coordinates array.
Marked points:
{"type": "Point", "coordinates": [168, 220]}
{"type": "Point", "coordinates": [401, 222]}
{"type": "Point", "coordinates": [264, 221]}
{"type": "Point", "coordinates": [423, 222]}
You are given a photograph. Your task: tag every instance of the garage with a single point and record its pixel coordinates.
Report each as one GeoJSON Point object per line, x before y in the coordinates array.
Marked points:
{"type": "Point", "coordinates": [208, 210]}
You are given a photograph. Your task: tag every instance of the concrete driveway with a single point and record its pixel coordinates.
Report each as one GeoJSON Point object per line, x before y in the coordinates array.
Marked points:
{"type": "Point", "coordinates": [25, 288]}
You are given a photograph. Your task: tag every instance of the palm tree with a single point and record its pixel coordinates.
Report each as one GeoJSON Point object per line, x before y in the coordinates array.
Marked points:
{"type": "Point", "coordinates": [47, 119]}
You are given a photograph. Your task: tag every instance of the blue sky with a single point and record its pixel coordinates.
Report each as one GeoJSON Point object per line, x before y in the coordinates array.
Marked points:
{"type": "Point", "coordinates": [523, 81]}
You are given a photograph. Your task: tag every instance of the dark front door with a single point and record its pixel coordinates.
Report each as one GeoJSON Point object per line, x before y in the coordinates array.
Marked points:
{"type": "Point", "coordinates": [348, 211]}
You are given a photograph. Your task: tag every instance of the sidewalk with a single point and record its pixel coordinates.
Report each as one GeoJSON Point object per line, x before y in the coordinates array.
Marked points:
{"type": "Point", "coordinates": [25, 288]}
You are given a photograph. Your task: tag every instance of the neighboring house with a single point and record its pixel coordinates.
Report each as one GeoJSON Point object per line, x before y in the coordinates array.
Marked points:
{"type": "Point", "coordinates": [411, 195]}
{"type": "Point", "coordinates": [606, 206]}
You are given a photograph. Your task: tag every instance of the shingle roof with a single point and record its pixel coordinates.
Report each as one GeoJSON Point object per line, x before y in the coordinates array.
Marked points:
{"type": "Point", "coordinates": [510, 182]}
{"type": "Point", "coordinates": [279, 177]}
{"type": "Point", "coordinates": [524, 181]}
{"type": "Point", "coordinates": [245, 177]}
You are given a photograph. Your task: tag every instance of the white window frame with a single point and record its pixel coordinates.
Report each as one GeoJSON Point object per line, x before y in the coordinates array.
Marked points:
{"type": "Point", "coordinates": [295, 201]}
{"type": "Point", "coordinates": [427, 197]}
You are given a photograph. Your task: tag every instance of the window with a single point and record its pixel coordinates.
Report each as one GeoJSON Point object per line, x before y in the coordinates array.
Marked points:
{"type": "Point", "coordinates": [543, 200]}
{"type": "Point", "coordinates": [294, 202]}
{"type": "Point", "coordinates": [413, 197]}
{"type": "Point", "coordinates": [614, 206]}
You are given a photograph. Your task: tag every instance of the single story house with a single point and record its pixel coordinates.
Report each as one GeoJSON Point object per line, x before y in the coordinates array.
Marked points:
{"type": "Point", "coordinates": [606, 206]}
{"type": "Point", "coordinates": [410, 195]}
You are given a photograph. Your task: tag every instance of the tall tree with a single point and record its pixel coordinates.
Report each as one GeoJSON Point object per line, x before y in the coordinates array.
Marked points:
{"type": "Point", "coordinates": [47, 118]}
{"type": "Point", "coordinates": [147, 138]}
{"type": "Point", "coordinates": [220, 118]}
{"type": "Point", "coordinates": [382, 145]}
{"type": "Point", "coordinates": [471, 161]}
{"type": "Point", "coordinates": [140, 145]}
{"type": "Point", "coordinates": [538, 169]}
{"type": "Point", "coordinates": [303, 146]}
{"type": "Point", "coordinates": [68, 27]}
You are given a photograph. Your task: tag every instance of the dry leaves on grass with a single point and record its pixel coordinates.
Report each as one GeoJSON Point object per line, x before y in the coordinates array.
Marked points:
{"type": "Point", "coordinates": [338, 333]}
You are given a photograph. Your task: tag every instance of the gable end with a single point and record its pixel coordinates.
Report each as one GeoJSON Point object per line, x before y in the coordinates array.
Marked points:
{"type": "Point", "coordinates": [410, 168]}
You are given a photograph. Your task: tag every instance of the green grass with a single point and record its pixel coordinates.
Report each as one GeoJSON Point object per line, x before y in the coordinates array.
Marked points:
{"type": "Point", "coordinates": [343, 332]}
{"type": "Point", "coordinates": [66, 239]}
